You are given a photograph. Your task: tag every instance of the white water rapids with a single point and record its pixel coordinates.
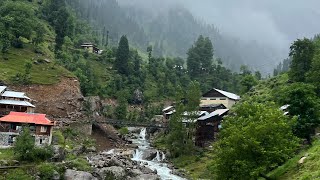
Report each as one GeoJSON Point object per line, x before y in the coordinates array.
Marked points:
{"type": "Point", "coordinates": [157, 163]}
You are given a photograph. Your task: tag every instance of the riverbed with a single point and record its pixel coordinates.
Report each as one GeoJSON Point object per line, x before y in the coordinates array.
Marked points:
{"type": "Point", "coordinates": [158, 163]}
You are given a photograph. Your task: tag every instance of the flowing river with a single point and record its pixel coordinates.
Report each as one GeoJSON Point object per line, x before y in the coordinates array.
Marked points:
{"type": "Point", "coordinates": [157, 163]}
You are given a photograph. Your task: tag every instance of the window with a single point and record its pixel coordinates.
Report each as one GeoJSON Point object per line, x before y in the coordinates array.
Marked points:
{"type": "Point", "coordinates": [43, 129]}
{"type": "Point", "coordinates": [223, 99]}
{"type": "Point", "coordinates": [213, 99]}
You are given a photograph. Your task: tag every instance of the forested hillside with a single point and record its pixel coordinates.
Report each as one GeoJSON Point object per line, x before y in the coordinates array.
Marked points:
{"type": "Point", "coordinates": [171, 33]}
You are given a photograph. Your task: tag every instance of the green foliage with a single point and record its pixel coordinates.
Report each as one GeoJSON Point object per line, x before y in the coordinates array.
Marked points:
{"type": "Point", "coordinates": [80, 164]}
{"type": "Point", "coordinates": [305, 104]}
{"type": "Point", "coordinates": [46, 171]}
{"type": "Point", "coordinates": [122, 109]}
{"type": "Point", "coordinates": [122, 56]}
{"type": "Point", "coordinates": [123, 130]}
{"type": "Point", "coordinates": [25, 150]}
{"type": "Point", "coordinates": [254, 141]}
{"type": "Point", "coordinates": [18, 174]}
{"type": "Point", "coordinates": [301, 52]}
{"type": "Point", "coordinates": [24, 146]}
{"type": "Point", "coordinates": [200, 57]}
{"type": "Point", "coordinates": [180, 137]}
{"type": "Point", "coordinates": [292, 170]}
{"type": "Point", "coordinates": [59, 137]}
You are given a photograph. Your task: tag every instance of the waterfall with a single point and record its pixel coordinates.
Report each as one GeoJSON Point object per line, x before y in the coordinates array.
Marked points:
{"type": "Point", "coordinates": [157, 158]}
{"type": "Point", "coordinates": [157, 163]}
{"type": "Point", "coordinates": [143, 134]}
{"type": "Point", "coordinates": [137, 154]}
{"type": "Point", "coordinates": [163, 156]}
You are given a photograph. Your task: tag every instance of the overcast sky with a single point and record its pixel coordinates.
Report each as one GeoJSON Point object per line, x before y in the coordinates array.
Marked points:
{"type": "Point", "coordinates": [273, 22]}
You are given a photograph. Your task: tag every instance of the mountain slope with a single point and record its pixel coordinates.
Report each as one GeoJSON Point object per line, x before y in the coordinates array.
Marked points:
{"type": "Point", "coordinates": [171, 31]}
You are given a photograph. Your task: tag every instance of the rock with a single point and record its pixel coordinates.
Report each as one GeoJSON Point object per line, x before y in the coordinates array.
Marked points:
{"type": "Point", "coordinates": [149, 154]}
{"type": "Point", "coordinates": [81, 175]}
{"type": "Point", "coordinates": [58, 153]}
{"type": "Point", "coordinates": [135, 172]}
{"type": "Point", "coordinates": [56, 175]}
{"type": "Point", "coordinates": [146, 170]}
{"type": "Point", "coordinates": [4, 163]}
{"type": "Point", "coordinates": [147, 177]}
{"type": "Point", "coordinates": [301, 161]}
{"type": "Point", "coordinates": [91, 149]}
{"type": "Point", "coordinates": [117, 171]}
{"type": "Point", "coordinates": [78, 150]}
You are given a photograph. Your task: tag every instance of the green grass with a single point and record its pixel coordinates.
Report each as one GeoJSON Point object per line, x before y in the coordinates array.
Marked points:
{"type": "Point", "coordinates": [293, 170]}
{"type": "Point", "coordinates": [45, 73]}
{"type": "Point", "coordinates": [196, 166]}
{"type": "Point", "coordinates": [6, 154]}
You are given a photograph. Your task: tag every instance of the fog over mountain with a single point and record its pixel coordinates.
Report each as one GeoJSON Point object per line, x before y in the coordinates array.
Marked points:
{"type": "Point", "coordinates": [271, 23]}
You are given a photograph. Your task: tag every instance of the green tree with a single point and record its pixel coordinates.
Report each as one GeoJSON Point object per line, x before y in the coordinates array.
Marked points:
{"type": "Point", "coordinates": [253, 141]}
{"type": "Point", "coordinates": [122, 56]}
{"type": "Point", "coordinates": [305, 105]}
{"type": "Point", "coordinates": [301, 52]}
{"type": "Point", "coordinates": [247, 82]}
{"type": "Point", "coordinates": [24, 146]}
{"type": "Point", "coordinates": [200, 57]}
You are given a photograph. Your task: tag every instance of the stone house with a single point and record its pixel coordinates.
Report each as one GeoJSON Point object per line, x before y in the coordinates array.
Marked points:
{"type": "Point", "coordinates": [11, 126]}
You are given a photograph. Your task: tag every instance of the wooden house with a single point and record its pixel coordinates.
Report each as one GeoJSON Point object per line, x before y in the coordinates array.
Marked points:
{"type": "Point", "coordinates": [92, 48]}
{"type": "Point", "coordinates": [11, 126]}
{"type": "Point", "coordinates": [208, 126]}
{"type": "Point", "coordinates": [14, 101]}
{"type": "Point", "coordinates": [217, 96]}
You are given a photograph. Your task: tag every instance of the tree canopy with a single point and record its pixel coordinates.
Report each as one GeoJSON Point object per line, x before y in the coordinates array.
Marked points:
{"type": "Point", "coordinates": [256, 139]}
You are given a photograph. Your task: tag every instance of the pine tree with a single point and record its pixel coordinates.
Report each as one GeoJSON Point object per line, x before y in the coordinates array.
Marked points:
{"type": "Point", "coordinates": [122, 56]}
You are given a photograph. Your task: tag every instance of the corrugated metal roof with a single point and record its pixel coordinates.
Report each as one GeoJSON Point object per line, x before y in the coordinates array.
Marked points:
{"type": "Point", "coordinates": [198, 113]}
{"type": "Point", "coordinates": [228, 94]}
{"type": "Point", "coordinates": [27, 118]}
{"type": "Point", "coordinates": [217, 112]}
{"type": "Point", "coordinates": [2, 88]}
{"type": "Point", "coordinates": [17, 103]}
{"type": "Point", "coordinates": [15, 94]}
{"type": "Point", "coordinates": [167, 108]}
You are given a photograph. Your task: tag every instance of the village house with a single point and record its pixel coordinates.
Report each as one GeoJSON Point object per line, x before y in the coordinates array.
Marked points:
{"type": "Point", "coordinates": [208, 126]}
{"type": "Point", "coordinates": [14, 101]}
{"type": "Point", "coordinates": [217, 96]}
{"type": "Point", "coordinates": [11, 126]}
{"type": "Point", "coordinates": [92, 48]}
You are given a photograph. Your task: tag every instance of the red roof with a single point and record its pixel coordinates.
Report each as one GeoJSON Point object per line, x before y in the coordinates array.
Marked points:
{"type": "Point", "coordinates": [26, 118]}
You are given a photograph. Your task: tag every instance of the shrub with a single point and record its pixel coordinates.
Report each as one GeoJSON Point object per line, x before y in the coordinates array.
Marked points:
{"type": "Point", "coordinates": [46, 171]}
{"type": "Point", "coordinates": [18, 174]}
{"type": "Point", "coordinates": [124, 131]}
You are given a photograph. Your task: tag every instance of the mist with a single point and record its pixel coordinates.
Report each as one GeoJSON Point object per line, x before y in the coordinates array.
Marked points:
{"type": "Point", "coordinates": [274, 23]}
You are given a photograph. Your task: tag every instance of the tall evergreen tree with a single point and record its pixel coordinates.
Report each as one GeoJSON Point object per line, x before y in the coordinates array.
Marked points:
{"type": "Point", "coordinates": [122, 56]}
{"type": "Point", "coordinates": [200, 57]}
{"type": "Point", "coordinates": [301, 52]}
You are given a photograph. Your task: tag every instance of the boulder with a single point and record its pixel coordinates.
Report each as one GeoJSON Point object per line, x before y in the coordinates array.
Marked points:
{"type": "Point", "coordinates": [149, 154]}
{"type": "Point", "coordinates": [146, 170]}
{"type": "Point", "coordinates": [78, 150]}
{"type": "Point", "coordinates": [91, 149]}
{"type": "Point", "coordinates": [301, 161]}
{"type": "Point", "coordinates": [56, 175]}
{"type": "Point", "coordinates": [72, 175]}
{"type": "Point", "coordinates": [58, 153]}
{"type": "Point", "coordinates": [116, 171]}
{"type": "Point", "coordinates": [147, 177]}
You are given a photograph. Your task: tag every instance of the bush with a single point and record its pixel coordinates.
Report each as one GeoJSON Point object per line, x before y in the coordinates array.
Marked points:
{"type": "Point", "coordinates": [25, 149]}
{"type": "Point", "coordinates": [46, 171]}
{"type": "Point", "coordinates": [80, 164]}
{"type": "Point", "coordinates": [124, 131]}
{"type": "Point", "coordinates": [18, 174]}
{"type": "Point", "coordinates": [58, 138]}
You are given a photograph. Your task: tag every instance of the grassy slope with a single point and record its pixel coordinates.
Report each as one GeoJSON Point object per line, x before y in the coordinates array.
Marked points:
{"type": "Point", "coordinates": [45, 73]}
{"type": "Point", "coordinates": [308, 170]}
